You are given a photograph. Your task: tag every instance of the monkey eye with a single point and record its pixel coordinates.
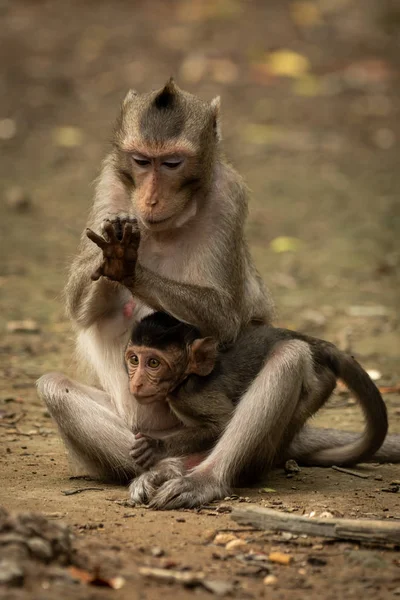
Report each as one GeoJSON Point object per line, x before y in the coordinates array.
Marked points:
{"type": "Point", "coordinates": [134, 360]}
{"type": "Point", "coordinates": [153, 363]}
{"type": "Point", "coordinates": [172, 163]}
{"type": "Point", "coordinates": [141, 161]}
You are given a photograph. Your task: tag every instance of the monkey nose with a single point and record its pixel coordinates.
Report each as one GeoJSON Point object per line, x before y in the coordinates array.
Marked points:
{"type": "Point", "coordinates": [136, 388]}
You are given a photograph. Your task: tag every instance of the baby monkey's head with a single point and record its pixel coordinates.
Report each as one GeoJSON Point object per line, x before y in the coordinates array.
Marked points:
{"type": "Point", "coordinates": [162, 352]}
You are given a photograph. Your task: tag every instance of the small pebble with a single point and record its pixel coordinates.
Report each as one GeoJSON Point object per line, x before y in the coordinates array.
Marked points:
{"type": "Point", "coordinates": [11, 573]}
{"type": "Point", "coordinates": [40, 548]}
{"type": "Point", "coordinates": [270, 580]}
{"type": "Point", "coordinates": [224, 508]}
{"type": "Point", "coordinates": [291, 466]}
{"type": "Point", "coordinates": [26, 326]}
{"type": "Point", "coordinates": [235, 544]}
{"type": "Point", "coordinates": [221, 539]}
{"type": "Point", "coordinates": [325, 515]}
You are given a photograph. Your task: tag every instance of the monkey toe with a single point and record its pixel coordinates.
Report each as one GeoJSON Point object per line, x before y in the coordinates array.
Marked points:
{"type": "Point", "coordinates": [186, 492]}
{"type": "Point", "coordinates": [174, 494]}
{"type": "Point", "coordinates": [142, 488]}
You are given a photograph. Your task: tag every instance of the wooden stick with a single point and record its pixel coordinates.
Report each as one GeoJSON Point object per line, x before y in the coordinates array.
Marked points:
{"type": "Point", "coordinates": [350, 472]}
{"type": "Point", "coordinates": [362, 530]}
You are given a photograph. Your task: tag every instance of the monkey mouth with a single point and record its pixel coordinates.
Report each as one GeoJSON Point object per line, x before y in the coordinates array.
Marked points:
{"type": "Point", "coordinates": [149, 399]}
{"type": "Point", "coordinates": [154, 221]}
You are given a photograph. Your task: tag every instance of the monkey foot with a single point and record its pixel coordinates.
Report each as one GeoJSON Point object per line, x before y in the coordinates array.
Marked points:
{"type": "Point", "coordinates": [187, 492]}
{"type": "Point", "coordinates": [144, 487]}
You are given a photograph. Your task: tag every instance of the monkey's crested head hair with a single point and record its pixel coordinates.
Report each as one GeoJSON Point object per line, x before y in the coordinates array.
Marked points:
{"type": "Point", "coordinates": [168, 114]}
{"type": "Point", "coordinates": [160, 330]}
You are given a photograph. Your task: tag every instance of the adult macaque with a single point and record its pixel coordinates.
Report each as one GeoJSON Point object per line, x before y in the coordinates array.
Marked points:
{"type": "Point", "coordinates": [172, 212]}
{"type": "Point", "coordinates": [167, 181]}
{"type": "Point", "coordinates": [167, 362]}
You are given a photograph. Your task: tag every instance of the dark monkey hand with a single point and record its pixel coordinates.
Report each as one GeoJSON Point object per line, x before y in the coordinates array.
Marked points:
{"type": "Point", "coordinates": [145, 451]}
{"type": "Point", "coordinates": [120, 250]}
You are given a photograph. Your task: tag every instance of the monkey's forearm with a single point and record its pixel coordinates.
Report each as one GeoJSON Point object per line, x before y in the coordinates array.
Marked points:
{"type": "Point", "coordinates": [212, 312]}
{"type": "Point", "coordinates": [191, 440]}
{"type": "Point", "coordinates": [89, 301]}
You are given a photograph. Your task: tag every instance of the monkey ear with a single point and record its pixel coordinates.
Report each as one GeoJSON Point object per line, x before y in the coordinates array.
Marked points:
{"type": "Point", "coordinates": [204, 354]}
{"type": "Point", "coordinates": [215, 110]}
{"type": "Point", "coordinates": [129, 97]}
{"type": "Point", "coordinates": [165, 97]}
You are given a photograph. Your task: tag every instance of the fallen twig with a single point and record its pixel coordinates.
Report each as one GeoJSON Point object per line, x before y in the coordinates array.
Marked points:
{"type": "Point", "coordinates": [350, 472]}
{"type": "Point", "coordinates": [168, 575]}
{"type": "Point", "coordinates": [389, 389]}
{"type": "Point", "coordinates": [80, 490]}
{"type": "Point", "coordinates": [364, 530]}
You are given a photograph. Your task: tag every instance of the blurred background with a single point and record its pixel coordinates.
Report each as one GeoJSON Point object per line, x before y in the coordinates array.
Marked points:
{"type": "Point", "coordinates": [310, 117]}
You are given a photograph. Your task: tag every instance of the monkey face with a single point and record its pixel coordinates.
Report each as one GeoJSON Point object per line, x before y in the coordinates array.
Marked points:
{"type": "Point", "coordinates": [153, 373]}
{"type": "Point", "coordinates": [164, 194]}
{"type": "Point", "coordinates": [166, 141]}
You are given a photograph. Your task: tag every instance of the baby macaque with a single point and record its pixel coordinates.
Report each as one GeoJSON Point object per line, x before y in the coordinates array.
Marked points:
{"type": "Point", "coordinates": [168, 361]}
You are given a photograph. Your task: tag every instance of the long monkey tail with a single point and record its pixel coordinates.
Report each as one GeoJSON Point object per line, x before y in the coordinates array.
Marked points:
{"type": "Point", "coordinates": [374, 409]}
{"type": "Point", "coordinates": [311, 440]}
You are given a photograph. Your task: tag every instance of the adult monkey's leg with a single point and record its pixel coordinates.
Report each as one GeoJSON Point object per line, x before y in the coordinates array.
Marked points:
{"type": "Point", "coordinates": [94, 434]}
{"type": "Point", "coordinates": [248, 446]}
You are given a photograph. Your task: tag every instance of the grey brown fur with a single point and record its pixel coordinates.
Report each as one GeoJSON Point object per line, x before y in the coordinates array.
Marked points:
{"type": "Point", "coordinates": [308, 379]}
{"type": "Point", "coordinates": [196, 266]}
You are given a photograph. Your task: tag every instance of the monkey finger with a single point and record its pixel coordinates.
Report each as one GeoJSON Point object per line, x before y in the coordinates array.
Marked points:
{"type": "Point", "coordinates": [97, 274]}
{"type": "Point", "coordinates": [145, 458]}
{"type": "Point", "coordinates": [135, 237]}
{"type": "Point", "coordinates": [126, 236]}
{"type": "Point", "coordinates": [139, 450]}
{"type": "Point", "coordinates": [110, 231]}
{"type": "Point", "coordinates": [96, 238]}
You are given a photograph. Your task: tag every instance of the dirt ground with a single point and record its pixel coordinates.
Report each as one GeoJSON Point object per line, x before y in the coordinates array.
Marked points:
{"type": "Point", "coordinates": [319, 149]}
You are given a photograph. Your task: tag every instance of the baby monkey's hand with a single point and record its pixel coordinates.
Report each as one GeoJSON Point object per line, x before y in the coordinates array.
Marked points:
{"type": "Point", "coordinates": [119, 243]}
{"type": "Point", "coordinates": [146, 452]}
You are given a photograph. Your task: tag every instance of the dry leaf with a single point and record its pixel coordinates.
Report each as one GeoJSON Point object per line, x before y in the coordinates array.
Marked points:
{"type": "Point", "coordinates": [68, 137]}
{"type": "Point", "coordinates": [280, 558]}
{"type": "Point", "coordinates": [307, 85]}
{"type": "Point", "coordinates": [26, 326]}
{"type": "Point", "coordinates": [115, 583]}
{"type": "Point", "coordinates": [389, 389]}
{"type": "Point", "coordinates": [287, 63]}
{"type": "Point", "coordinates": [285, 244]}
{"type": "Point", "coordinates": [267, 490]}
{"type": "Point", "coordinates": [80, 574]}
